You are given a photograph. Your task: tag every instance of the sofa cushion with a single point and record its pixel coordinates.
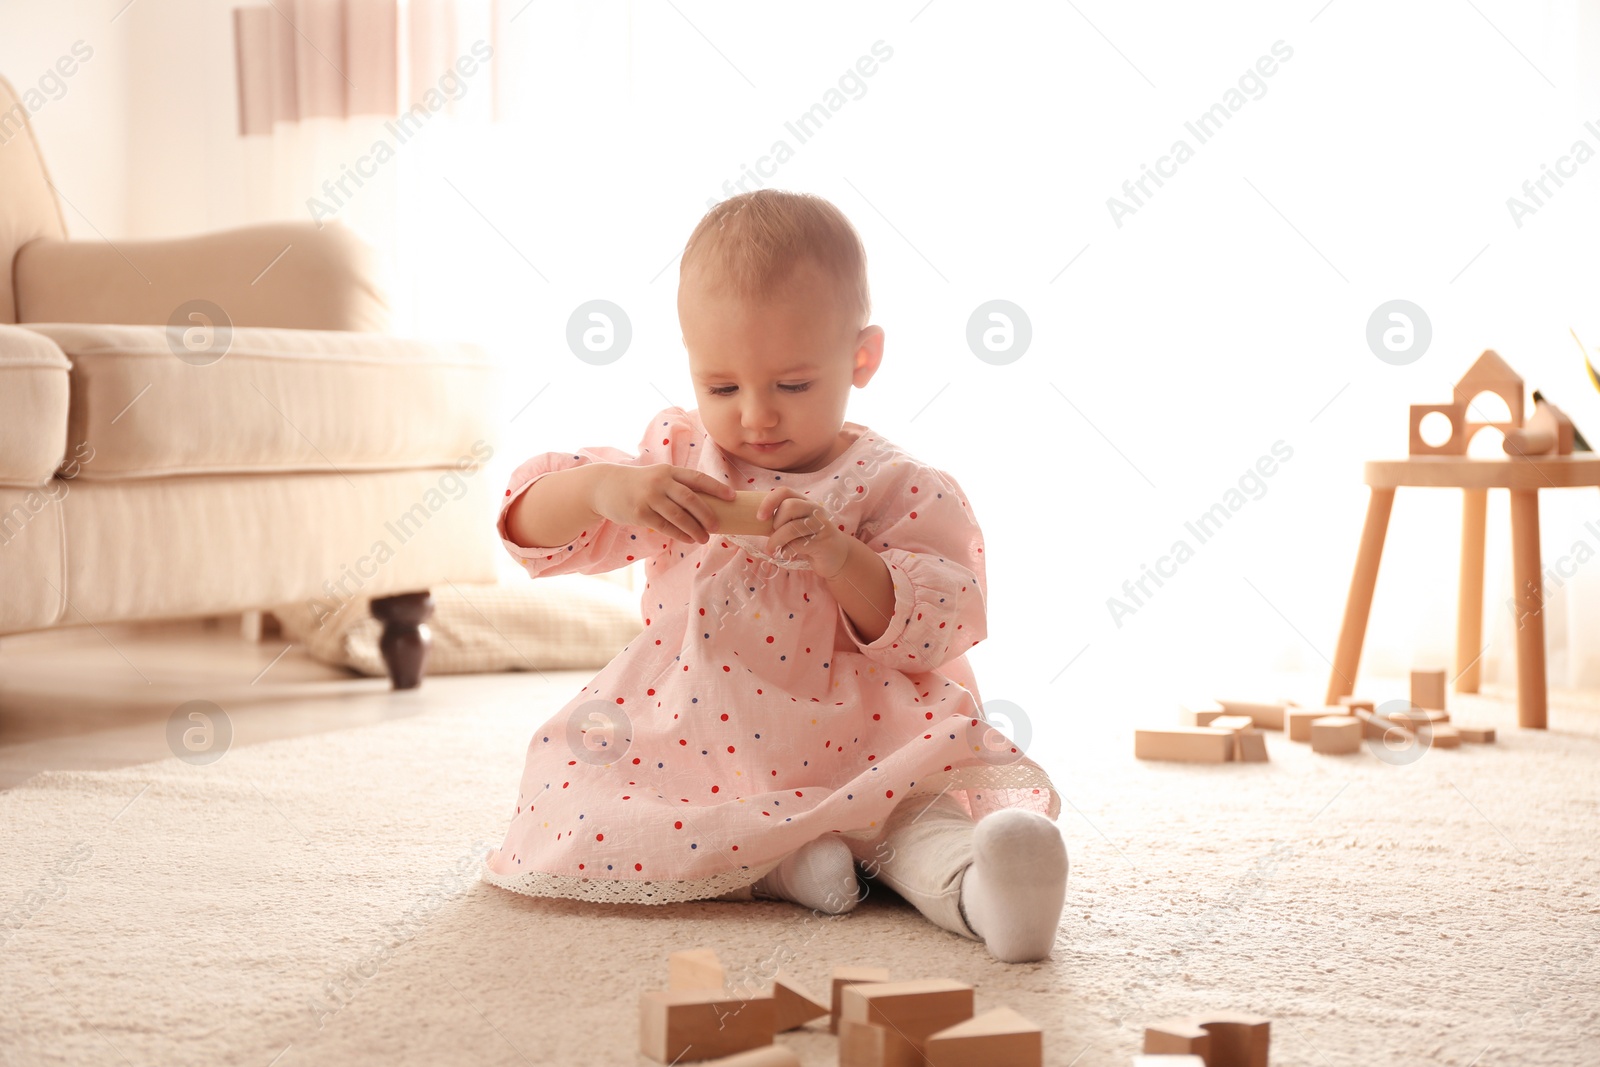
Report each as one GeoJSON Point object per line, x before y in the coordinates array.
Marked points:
{"type": "Point", "coordinates": [33, 408]}
{"type": "Point", "coordinates": [28, 208]}
{"type": "Point", "coordinates": [151, 402]}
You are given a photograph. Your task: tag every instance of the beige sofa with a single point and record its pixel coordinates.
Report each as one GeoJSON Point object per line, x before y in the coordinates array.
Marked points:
{"type": "Point", "coordinates": [219, 424]}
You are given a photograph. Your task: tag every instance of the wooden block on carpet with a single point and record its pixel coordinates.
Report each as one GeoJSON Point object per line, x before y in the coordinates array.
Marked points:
{"type": "Point", "coordinates": [843, 976]}
{"type": "Point", "coordinates": [1443, 735]}
{"type": "Point", "coordinates": [695, 968]}
{"type": "Point", "coordinates": [1220, 1038]}
{"type": "Point", "coordinates": [793, 1004]}
{"type": "Point", "coordinates": [1250, 746]}
{"type": "Point", "coordinates": [1375, 727]}
{"type": "Point", "coordinates": [999, 1036]}
{"type": "Point", "coordinates": [1268, 716]}
{"type": "Point", "coordinates": [865, 1045]}
{"type": "Point", "coordinates": [1230, 722]}
{"type": "Point", "coordinates": [1356, 702]}
{"type": "Point", "coordinates": [1427, 689]}
{"type": "Point", "coordinates": [1185, 744]}
{"type": "Point", "coordinates": [1336, 735]}
{"type": "Point", "coordinates": [1168, 1060]}
{"type": "Point", "coordinates": [912, 1009]}
{"type": "Point", "coordinates": [1200, 713]}
{"type": "Point", "coordinates": [1298, 720]}
{"type": "Point", "coordinates": [677, 1026]}
{"type": "Point", "coordinates": [1478, 735]}
{"type": "Point", "coordinates": [770, 1056]}
{"type": "Point", "coordinates": [1414, 717]}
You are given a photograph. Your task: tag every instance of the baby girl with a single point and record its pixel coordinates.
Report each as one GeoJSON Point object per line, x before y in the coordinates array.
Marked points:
{"type": "Point", "coordinates": [797, 704]}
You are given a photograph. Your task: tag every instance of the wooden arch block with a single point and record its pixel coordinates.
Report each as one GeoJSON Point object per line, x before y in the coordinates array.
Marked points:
{"type": "Point", "coordinates": [1221, 1038]}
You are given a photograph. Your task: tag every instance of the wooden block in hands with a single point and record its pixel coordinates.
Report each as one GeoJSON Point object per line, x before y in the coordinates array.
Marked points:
{"type": "Point", "coordinates": [1185, 744]}
{"type": "Point", "coordinates": [1335, 735]}
{"type": "Point", "coordinates": [677, 1026]}
{"type": "Point", "coordinates": [997, 1036]}
{"type": "Point", "coordinates": [739, 516]}
{"type": "Point", "coordinates": [843, 976]}
{"type": "Point", "coordinates": [1427, 689]}
{"type": "Point", "coordinates": [695, 968]}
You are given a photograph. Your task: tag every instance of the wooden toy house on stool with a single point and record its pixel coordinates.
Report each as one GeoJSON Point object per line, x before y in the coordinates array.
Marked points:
{"type": "Point", "coordinates": [1539, 455]}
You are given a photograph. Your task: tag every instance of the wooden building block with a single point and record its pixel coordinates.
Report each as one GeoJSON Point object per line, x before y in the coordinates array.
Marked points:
{"type": "Point", "coordinates": [677, 1026]}
{"type": "Point", "coordinates": [767, 1056]}
{"type": "Point", "coordinates": [1443, 735]}
{"type": "Point", "coordinates": [1220, 1038]}
{"type": "Point", "coordinates": [865, 1045]}
{"type": "Point", "coordinates": [1231, 722]}
{"type": "Point", "coordinates": [1250, 746]}
{"type": "Point", "coordinates": [739, 516]}
{"type": "Point", "coordinates": [1478, 735]}
{"type": "Point", "coordinates": [1185, 744]}
{"type": "Point", "coordinates": [1168, 1060]}
{"type": "Point", "coordinates": [1356, 702]}
{"type": "Point", "coordinates": [695, 968]}
{"type": "Point", "coordinates": [1200, 713]}
{"type": "Point", "coordinates": [843, 976]}
{"type": "Point", "coordinates": [1454, 445]}
{"type": "Point", "coordinates": [999, 1036]}
{"type": "Point", "coordinates": [1298, 720]}
{"type": "Point", "coordinates": [1375, 727]}
{"type": "Point", "coordinates": [1427, 689]}
{"type": "Point", "coordinates": [912, 1009]}
{"type": "Point", "coordinates": [793, 1004]}
{"type": "Point", "coordinates": [1265, 716]}
{"type": "Point", "coordinates": [1336, 735]}
{"type": "Point", "coordinates": [1412, 718]}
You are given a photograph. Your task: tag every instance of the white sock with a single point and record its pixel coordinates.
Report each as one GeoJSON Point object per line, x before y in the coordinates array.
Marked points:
{"type": "Point", "coordinates": [820, 874]}
{"type": "Point", "coordinates": [1013, 893]}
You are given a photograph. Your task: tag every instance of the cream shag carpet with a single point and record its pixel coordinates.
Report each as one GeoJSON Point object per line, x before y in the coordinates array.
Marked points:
{"type": "Point", "coordinates": [314, 901]}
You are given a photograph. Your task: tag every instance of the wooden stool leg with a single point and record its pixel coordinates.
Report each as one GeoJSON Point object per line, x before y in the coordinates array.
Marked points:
{"type": "Point", "coordinates": [1353, 631]}
{"type": "Point", "coordinates": [1469, 604]}
{"type": "Point", "coordinates": [1529, 599]}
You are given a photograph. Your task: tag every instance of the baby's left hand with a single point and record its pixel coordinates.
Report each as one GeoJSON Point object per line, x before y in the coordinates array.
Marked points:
{"type": "Point", "coordinates": [803, 529]}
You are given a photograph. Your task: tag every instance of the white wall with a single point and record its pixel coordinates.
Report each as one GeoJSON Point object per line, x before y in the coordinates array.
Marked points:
{"type": "Point", "coordinates": [1226, 314]}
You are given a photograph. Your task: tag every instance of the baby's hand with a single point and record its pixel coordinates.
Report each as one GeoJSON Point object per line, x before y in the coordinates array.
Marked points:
{"type": "Point", "coordinates": [661, 497]}
{"type": "Point", "coordinates": [803, 529]}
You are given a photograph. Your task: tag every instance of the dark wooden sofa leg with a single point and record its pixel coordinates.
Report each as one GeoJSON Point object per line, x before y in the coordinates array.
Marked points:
{"type": "Point", "coordinates": [405, 638]}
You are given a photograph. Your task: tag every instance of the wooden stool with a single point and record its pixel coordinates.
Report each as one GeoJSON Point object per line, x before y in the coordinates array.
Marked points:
{"type": "Point", "coordinates": [1523, 477]}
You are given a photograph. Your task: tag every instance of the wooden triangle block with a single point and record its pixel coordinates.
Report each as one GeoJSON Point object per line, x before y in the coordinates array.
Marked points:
{"type": "Point", "coordinates": [997, 1036]}
{"type": "Point", "coordinates": [795, 1006]}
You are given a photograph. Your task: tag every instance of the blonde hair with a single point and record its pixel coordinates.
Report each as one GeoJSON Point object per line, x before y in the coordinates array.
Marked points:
{"type": "Point", "coordinates": [749, 245]}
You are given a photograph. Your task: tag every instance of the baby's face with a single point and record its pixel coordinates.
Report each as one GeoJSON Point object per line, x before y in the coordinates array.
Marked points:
{"type": "Point", "coordinates": [777, 370]}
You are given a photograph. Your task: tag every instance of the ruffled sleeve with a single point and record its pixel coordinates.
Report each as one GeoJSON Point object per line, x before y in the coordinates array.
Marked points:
{"type": "Point", "coordinates": [672, 437]}
{"type": "Point", "coordinates": [924, 528]}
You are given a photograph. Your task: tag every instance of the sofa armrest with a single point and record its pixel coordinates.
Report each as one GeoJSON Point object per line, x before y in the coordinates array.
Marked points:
{"type": "Point", "coordinates": [289, 275]}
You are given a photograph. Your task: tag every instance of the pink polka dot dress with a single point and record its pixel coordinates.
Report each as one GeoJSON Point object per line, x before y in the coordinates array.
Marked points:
{"type": "Point", "coordinates": [749, 717]}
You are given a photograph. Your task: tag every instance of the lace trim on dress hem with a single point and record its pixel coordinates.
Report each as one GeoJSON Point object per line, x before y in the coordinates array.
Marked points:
{"type": "Point", "coordinates": [1024, 775]}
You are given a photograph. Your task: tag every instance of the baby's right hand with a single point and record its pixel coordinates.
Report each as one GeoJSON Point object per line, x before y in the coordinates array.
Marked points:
{"type": "Point", "coordinates": [660, 496]}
